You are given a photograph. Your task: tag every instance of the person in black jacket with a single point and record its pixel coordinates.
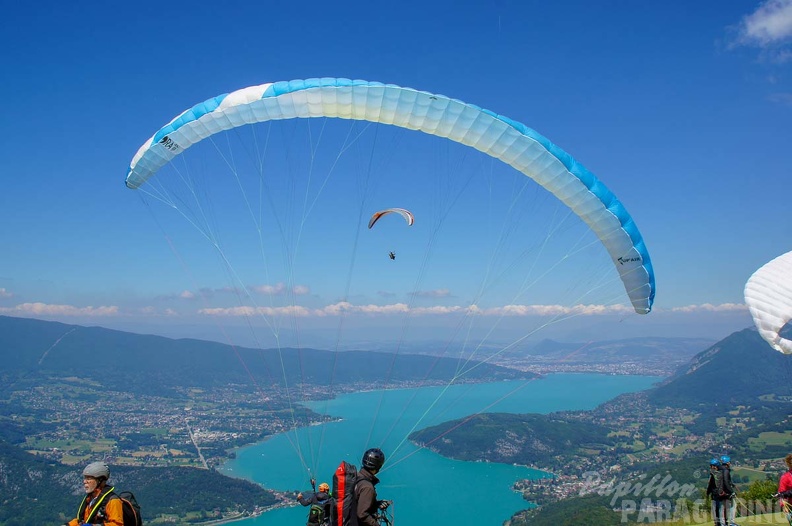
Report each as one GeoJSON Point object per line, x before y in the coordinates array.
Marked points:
{"type": "Point", "coordinates": [321, 499]}
{"type": "Point", "coordinates": [365, 491]}
{"type": "Point", "coordinates": [722, 492]}
{"type": "Point", "coordinates": [714, 487]}
{"type": "Point", "coordinates": [712, 483]}
{"type": "Point", "coordinates": [729, 491]}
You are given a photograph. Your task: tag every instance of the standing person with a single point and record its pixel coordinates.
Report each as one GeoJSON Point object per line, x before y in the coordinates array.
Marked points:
{"type": "Point", "coordinates": [724, 491]}
{"type": "Point", "coordinates": [100, 505]}
{"type": "Point", "coordinates": [365, 491]}
{"type": "Point", "coordinates": [785, 489]}
{"type": "Point", "coordinates": [712, 483]}
{"type": "Point", "coordinates": [319, 502]}
{"type": "Point", "coordinates": [713, 491]}
{"type": "Point", "coordinates": [730, 489]}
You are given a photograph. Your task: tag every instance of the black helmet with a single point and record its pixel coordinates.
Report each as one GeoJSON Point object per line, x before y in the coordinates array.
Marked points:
{"type": "Point", "coordinates": [373, 459]}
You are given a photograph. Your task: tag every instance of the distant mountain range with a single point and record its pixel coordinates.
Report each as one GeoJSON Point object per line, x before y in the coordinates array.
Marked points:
{"type": "Point", "coordinates": [154, 363]}
{"type": "Point", "coordinates": [614, 351]}
{"type": "Point", "coordinates": [647, 355]}
{"type": "Point", "coordinates": [739, 370]}
{"type": "Point", "coordinates": [606, 351]}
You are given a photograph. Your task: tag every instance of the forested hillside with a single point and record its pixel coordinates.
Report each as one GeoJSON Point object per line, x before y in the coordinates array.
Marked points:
{"type": "Point", "coordinates": [528, 439]}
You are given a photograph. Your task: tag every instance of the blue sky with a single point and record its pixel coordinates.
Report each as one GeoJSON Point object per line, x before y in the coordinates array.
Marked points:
{"type": "Point", "coordinates": [682, 109]}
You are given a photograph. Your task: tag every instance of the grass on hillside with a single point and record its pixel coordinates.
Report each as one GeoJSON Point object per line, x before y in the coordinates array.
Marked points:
{"type": "Point", "coordinates": [752, 474]}
{"type": "Point", "coordinates": [767, 518]}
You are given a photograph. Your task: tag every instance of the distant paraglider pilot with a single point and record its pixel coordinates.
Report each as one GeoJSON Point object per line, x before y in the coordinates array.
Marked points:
{"type": "Point", "coordinates": [100, 505]}
{"type": "Point", "coordinates": [406, 214]}
{"type": "Point", "coordinates": [365, 491]}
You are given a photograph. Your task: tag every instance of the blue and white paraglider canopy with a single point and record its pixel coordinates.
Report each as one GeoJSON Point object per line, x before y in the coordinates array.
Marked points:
{"type": "Point", "coordinates": [497, 136]}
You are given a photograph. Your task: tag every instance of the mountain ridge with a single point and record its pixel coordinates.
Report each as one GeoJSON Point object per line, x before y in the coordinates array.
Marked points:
{"type": "Point", "coordinates": [156, 362]}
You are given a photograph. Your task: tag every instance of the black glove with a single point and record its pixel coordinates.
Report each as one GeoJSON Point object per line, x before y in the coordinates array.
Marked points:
{"type": "Point", "coordinates": [383, 504]}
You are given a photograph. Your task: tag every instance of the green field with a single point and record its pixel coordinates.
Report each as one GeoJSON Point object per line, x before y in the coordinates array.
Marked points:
{"type": "Point", "coordinates": [770, 438]}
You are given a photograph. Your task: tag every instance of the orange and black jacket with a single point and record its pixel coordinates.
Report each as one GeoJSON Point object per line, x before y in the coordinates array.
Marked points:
{"type": "Point", "coordinates": [100, 507]}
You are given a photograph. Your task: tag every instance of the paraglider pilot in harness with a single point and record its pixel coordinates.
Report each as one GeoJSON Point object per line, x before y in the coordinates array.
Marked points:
{"type": "Point", "coordinates": [365, 491]}
{"type": "Point", "coordinates": [392, 255]}
{"type": "Point", "coordinates": [319, 501]}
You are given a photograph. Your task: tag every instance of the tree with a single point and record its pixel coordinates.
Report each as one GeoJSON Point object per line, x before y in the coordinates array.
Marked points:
{"type": "Point", "coordinates": [760, 490]}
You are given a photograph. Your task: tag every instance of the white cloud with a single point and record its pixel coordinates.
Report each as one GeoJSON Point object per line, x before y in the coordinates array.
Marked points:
{"type": "Point", "coordinates": [420, 311]}
{"type": "Point", "coordinates": [5, 293]}
{"type": "Point", "coordinates": [43, 309]}
{"type": "Point", "coordinates": [708, 307]}
{"type": "Point", "coordinates": [294, 310]}
{"type": "Point", "coordinates": [154, 311]}
{"type": "Point", "coordinates": [280, 289]}
{"type": "Point", "coordinates": [301, 290]}
{"type": "Point", "coordinates": [345, 307]}
{"type": "Point", "coordinates": [557, 310]}
{"type": "Point", "coordinates": [770, 24]}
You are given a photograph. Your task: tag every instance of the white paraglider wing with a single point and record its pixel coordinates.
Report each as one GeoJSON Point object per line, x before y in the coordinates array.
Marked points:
{"type": "Point", "coordinates": [768, 294]}
{"type": "Point", "coordinates": [495, 135]}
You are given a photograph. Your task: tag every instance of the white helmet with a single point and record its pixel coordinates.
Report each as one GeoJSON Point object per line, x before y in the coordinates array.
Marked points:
{"type": "Point", "coordinates": [96, 470]}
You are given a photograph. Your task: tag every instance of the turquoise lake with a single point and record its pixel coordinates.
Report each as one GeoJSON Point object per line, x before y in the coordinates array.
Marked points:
{"type": "Point", "coordinates": [426, 488]}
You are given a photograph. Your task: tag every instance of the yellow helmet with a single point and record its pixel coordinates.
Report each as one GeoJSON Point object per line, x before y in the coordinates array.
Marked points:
{"type": "Point", "coordinates": [324, 486]}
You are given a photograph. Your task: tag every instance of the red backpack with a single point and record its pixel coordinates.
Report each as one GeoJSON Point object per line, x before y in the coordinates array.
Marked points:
{"type": "Point", "coordinates": [343, 507]}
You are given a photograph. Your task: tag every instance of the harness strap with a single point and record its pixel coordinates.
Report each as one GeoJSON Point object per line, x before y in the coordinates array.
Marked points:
{"type": "Point", "coordinates": [99, 504]}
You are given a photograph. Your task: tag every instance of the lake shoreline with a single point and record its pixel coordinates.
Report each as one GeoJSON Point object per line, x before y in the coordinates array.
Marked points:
{"type": "Point", "coordinates": [274, 464]}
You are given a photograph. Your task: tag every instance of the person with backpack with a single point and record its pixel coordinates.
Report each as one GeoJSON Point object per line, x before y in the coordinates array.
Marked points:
{"type": "Point", "coordinates": [730, 489]}
{"type": "Point", "coordinates": [365, 488]}
{"type": "Point", "coordinates": [712, 483]}
{"type": "Point", "coordinates": [724, 489]}
{"type": "Point", "coordinates": [100, 505]}
{"type": "Point", "coordinates": [319, 501]}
